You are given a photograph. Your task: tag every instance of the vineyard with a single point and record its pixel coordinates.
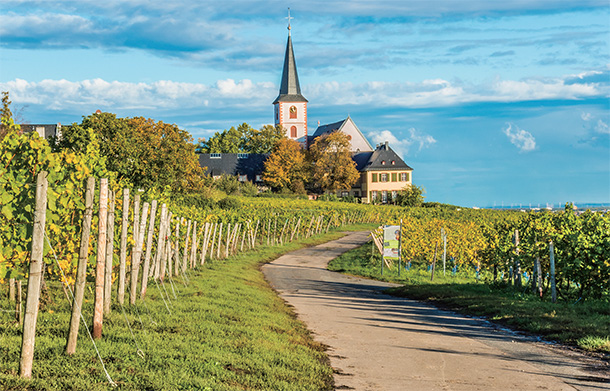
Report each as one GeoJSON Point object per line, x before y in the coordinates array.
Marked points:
{"type": "Point", "coordinates": [66, 219]}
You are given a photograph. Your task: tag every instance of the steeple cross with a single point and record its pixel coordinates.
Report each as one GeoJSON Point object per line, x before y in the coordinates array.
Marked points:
{"type": "Point", "coordinates": [289, 17]}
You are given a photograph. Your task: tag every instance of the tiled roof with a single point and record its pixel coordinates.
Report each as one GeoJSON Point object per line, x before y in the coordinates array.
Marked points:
{"type": "Point", "coordinates": [250, 164]}
{"type": "Point", "coordinates": [381, 159]}
{"type": "Point", "coordinates": [290, 89]}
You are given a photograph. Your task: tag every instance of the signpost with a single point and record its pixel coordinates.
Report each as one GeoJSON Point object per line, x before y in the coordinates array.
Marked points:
{"type": "Point", "coordinates": [391, 244]}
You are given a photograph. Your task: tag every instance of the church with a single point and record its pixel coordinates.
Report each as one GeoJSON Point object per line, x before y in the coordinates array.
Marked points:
{"type": "Point", "coordinates": [382, 172]}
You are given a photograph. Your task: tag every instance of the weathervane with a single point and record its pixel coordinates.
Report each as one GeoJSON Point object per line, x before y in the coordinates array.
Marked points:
{"type": "Point", "coordinates": [289, 20]}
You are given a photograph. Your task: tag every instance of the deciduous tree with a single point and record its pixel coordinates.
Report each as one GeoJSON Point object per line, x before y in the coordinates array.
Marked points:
{"type": "Point", "coordinates": [286, 167]}
{"type": "Point", "coordinates": [332, 165]}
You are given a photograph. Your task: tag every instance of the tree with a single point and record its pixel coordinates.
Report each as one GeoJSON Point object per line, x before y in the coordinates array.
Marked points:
{"type": "Point", "coordinates": [143, 152]}
{"type": "Point", "coordinates": [411, 195]}
{"type": "Point", "coordinates": [243, 139]}
{"type": "Point", "coordinates": [286, 166]}
{"type": "Point", "coordinates": [332, 165]}
{"type": "Point", "coordinates": [263, 140]}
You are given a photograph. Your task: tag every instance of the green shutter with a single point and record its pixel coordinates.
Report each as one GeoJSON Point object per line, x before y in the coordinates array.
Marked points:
{"type": "Point", "coordinates": [374, 177]}
{"type": "Point", "coordinates": [408, 176]}
{"type": "Point", "coordinates": [394, 175]}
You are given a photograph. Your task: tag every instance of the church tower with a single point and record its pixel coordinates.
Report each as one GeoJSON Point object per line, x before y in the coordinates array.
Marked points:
{"type": "Point", "coordinates": [290, 106]}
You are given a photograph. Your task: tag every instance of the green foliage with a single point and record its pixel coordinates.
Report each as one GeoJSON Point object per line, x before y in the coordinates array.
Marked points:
{"type": "Point", "coordinates": [229, 203]}
{"type": "Point", "coordinates": [244, 139]}
{"type": "Point", "coordinates": [286, 167]}
{"type": "Point", "coordinates": [411, 196]}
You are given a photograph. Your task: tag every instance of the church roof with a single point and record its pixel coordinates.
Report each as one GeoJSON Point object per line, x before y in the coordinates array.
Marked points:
{"type": "Point", "coordinates": [347, 126]}
{"type": "Point", "coordinates": [380, 160]}
{"type": "Point", "coordinates": [290, 89]}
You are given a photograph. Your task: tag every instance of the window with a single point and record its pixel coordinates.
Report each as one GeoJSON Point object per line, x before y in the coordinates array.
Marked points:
{"type": "Point", "coordinates": [384, 196]}
{"type": "Point", "coordinates": [349, 137]}
{"type": "Point", "coordinates": [242, 155]}
{"type": "Point", "coordinates": [259, 178]}
{"type": "Point", "coordinates": [293, 131]}
{"type": "Point", "coordinates": [383, 162]}
{"type": "Point", "coordinates": [384, 177]}
{"type": "Point", "coordinates": [404, 176]}
{"type": "Point", "coordinates": [242, 178]}
{"type": "Point", "coordinates": [293, 112]}
{"type": "Point", "coordinates": [373, 195]}
{"type": "Point", "coordinates": [394, 194]}
{"type": "Point", "coordinates": [344, 194]}
{"type": "Point", "coordinates": [215, 156]}
{"type": "Point", "coordinates": [393, 162]}
{"type": "Point", "coordinates": [394, 177]}
{"type": "Point", "coordinates": [374, 179]}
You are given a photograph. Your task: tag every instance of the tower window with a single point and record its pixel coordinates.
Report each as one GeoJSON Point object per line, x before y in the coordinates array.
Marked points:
{"type": "Point", "coordinates": [293, 131]}
{"type": "Point", "coordinates": [293, 112]}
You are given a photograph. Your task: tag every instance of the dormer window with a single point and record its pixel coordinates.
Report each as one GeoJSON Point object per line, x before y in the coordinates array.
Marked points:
{"type": "Point", "coordinates": [293, 112]}
{"type": "Point", "coordinates": [383, 162]}
{"type": "Point", "coordinates": [393, 162]}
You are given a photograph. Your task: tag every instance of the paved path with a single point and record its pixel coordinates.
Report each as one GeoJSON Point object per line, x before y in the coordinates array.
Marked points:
{"type": "Point", "coordinates": [382, 343]}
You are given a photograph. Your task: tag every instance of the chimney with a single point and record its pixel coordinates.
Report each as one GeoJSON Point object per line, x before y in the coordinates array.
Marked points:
{"type": "Point", "coordinates": [386, 145]}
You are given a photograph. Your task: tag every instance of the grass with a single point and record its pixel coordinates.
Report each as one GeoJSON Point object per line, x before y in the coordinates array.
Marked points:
{"type": "Point", "coordinates": [228, 330]}
{"type": "Point", "coordinates": [585, 324]}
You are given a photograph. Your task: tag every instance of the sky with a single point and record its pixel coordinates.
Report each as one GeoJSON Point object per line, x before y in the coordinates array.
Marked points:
{"type": "Point", "coordinates": [490, 102]}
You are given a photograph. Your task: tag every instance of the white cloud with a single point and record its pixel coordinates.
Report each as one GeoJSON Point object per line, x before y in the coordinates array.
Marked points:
{"type": "Point", "coordinates": [602, 127]}
{"type": "Point", "coordinates": [92, 94]}
{"type": "Point", "coordinates": [586, 116]}
{"type": "Point", "coordinates": [522, 139]}
{"type": "Point", "coordinates": [402, 146]}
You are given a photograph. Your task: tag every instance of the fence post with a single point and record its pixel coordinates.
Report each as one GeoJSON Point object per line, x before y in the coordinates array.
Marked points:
{"type": "Point", "coordinates": [35, 275]}
{"type": "Point", "coordinates": [109, 254]}
{"type": "Point", "coordinates": [123, 256]}
{"type": "Point", "coordinates": [552, 259]}
{"type": "Point", "coordinates": [81, 272]}
{"type": "Point", "coordinates": [98, 313]}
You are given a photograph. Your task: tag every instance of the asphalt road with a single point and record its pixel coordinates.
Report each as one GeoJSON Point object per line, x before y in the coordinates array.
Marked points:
{"type": "Point", "coordinates": [382, 343]}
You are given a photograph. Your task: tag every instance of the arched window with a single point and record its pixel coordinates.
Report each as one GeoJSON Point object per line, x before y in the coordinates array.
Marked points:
{"type": "Point", "coordinates": [293, 112]}
{"type": "Point", "coordinates": [293, 131]}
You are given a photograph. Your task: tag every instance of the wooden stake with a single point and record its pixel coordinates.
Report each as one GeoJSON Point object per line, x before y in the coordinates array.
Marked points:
{"type": "Point", "coordinates": [219, 241]}
{"type": "Point", "coordinates": [149, 241]}
{"type": "Point", "coordinates": [109, 254]}
{"type": "Point", "coordinates": [11, 290]}
{"type": "Point", "coordinates": [123, 254]}
{"type": "Point", "coordinates": [186, 247]}
{"type": "Point", "coordinates": [35, 275]}
{"type": "Point", "coordinates": [81, 273]}
{"type": "Point", "coordinates": [100, 269]}
{"type": "Point", "coordinates": [19, 304]}
{"type": "Point", "coordinates": [552, 261]}
{"type": "Point", "coordinates": [213, 242]}
{"type": "Point", "coordinates": [137, 255]}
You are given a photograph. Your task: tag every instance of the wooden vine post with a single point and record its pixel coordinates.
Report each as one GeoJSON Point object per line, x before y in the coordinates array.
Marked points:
{"type": "Point", "coordinates": [81, 272]}
{"type": "Point", "coordinates": [34, 278]}
{"type": "Point", "coordinates": [98, 312]}
{"type": "Point", "coordinates": [109, 254]}
{"type": "Point", "coordinates": [137, 254]}
{"type": "Point", "coordinates": [123, 255]}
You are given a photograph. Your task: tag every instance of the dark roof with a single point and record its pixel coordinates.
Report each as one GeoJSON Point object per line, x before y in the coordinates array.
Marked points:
{"type": "Point", "coordinates": [290, 89]}
{"type": "Point", "coordinates": [329, 128]}
{"type": "Point", "coordinates": [49, 129]}
{"type": "Point", "coordinates": [250, 164]}
{"type": "Point", "coordinates": [383, 153]}
{"type": "Point", "coordinates": [361, 159]}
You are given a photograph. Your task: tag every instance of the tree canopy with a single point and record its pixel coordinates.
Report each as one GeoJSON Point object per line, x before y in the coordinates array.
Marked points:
{"type": "Point", "coordinates": [141, 151]}
{"type": "Point", "coordinates": [411, 195]}
{"type": "Point", "coordinates": [243, 139]}
{"type": "Point", "coordinates": [286, 167]}
{"type": "Point", "coordinates": [332, 165]}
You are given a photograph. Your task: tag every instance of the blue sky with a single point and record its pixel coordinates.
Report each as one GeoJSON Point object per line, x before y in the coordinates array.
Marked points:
{"type": "Point", "coordinates": [491, 102]}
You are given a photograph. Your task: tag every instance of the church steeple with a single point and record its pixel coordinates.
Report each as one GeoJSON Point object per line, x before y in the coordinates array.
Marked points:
{"type": "Point", "coordinates": [290, 89]}
{"type": "Point", "coordinates": [291, 105]}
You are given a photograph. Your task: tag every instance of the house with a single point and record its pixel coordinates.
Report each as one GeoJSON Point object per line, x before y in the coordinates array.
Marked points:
{"type": "Point", "coordinates": [382, 175]}
{"type": "Point", "coordinates": [245, 166]}
{"type": "Point", "coordinates": [44, 130]}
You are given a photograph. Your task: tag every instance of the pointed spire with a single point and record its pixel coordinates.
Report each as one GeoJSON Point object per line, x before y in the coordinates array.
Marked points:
{"type": "Point", "coordinates": [290, 89]}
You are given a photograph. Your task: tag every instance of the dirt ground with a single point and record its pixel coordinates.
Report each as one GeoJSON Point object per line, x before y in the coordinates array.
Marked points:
{"type": "Point", "coordinates": [380, 342]}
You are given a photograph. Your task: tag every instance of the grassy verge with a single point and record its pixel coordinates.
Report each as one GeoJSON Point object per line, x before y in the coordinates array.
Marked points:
{"type": "Point", "coordinates": [584, 324]}
{"type": "Point", "coordinates": [227, 330]}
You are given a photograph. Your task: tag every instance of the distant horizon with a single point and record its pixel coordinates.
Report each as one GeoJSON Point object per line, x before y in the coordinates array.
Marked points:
{"type": "Point", "coordinates": [486, 101]}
